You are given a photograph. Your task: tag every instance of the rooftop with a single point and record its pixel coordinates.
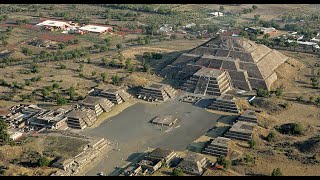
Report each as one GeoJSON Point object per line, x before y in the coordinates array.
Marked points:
{"type": "Point", "coordinates": [53, 23]}
{"type": "Point", "coordinates": [93, 28]}
{"type": "Point", "coordinates": [79, 113]}
{"type": "Point", "coordinates": [243, 127]}
{"type": "Point", "coordinates": [208, 72]}
{"type": "Point", "coordinates": [164, 119]}
{"type": "Point", "coordinates": [249, 114]}
{"type": "Point", "coordinates": [221, 141]}
{"type": "Point", "coordinates": [160, 153]}
{"type": "Point", "coordinates": [93, 100]}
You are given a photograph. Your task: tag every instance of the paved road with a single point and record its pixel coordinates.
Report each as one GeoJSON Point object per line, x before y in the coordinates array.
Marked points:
{"type": "Point", "coordinates": [134, 134]}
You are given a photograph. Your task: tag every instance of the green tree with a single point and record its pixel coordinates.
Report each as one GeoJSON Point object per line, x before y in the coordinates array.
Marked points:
{"type": "Point", "coordinates": [221, 8]}
{"type": "Point", "coordinates": [80, 69]}
{"type": "Point", "coordinates": [103, 76]}
{"type": "Point", "coordinates": [115, 80]}
{"type": "Point", "coordinates": [4, 136]}
{"type": "Point", "coordinates": [317, 101]}
{"type": "Point", "coordinates": [55, 86]}
{"type": "Point", "coordinates": [61, 100]}
{"type": "Point", "coordinates": [300, 99]}
{"type": "Point", "coordinates": [72, 93]}
{"type": "Point", "coordinates": [254, 7]}
{"type": "Point", "coordinates": [104, 61]}
{"type": "Point", "coordinates": [256, 17]}
{"type": "Point", "coordinates": [146, 67]}
{"type": "Point", "coordinates": [93, 73]}
{"type": "Point", "coordinates": [119, 46]}
{"type": "Point", "coordinates": [128, 63]}
{"type": "Point", "coordinates": [173, 36]}
{"type": "Point", "coordinates": [252, 144]}
{"type": "Point", "coordinates": [262, 92]}
{"type": "Point", "coordinates": [223, 161]}
{"type": "Point", "coordinates": [4, 43]}
{"type": "Point", "coordinates": [271, 136]}
{"type": "Point", "coordinates": [43, 161]}
{"type": "Point", "coordinates": [61, 46]}
{"type": "Point", "coordinates": [177, 172]}
{"type": "Point", "coordinates": [112, 63]}
{"type": "Point", "coordinates": [278, 92]}
{"type": "Point", "coordinates": [276, 172]}
{"type": "Point", "coordinates": [45, 92]}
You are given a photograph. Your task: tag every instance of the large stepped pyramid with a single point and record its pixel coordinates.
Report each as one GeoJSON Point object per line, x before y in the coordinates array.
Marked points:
{"type": "Point", "coordinates": [250, 65]}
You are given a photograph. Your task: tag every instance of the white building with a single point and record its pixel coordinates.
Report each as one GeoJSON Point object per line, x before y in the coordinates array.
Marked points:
{"type": "Point", "coordinates": [14, 135]}
{"type": "Point", "coordinates": [54, 24]}
{"type": "Point", "coordinates": [95, 29]}
{"type": "Point", "coordinates": [216, 14]}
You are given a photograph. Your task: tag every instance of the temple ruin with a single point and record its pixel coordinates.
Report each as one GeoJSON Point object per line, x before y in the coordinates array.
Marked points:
{"type": "Point", "coordinates": [157, 92]}
{"type": "Point", "coordinates": [250, 65]}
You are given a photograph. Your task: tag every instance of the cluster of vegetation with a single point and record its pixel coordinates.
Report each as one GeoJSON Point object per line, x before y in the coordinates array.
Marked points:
{"type": "Point", "coordinates": [152, 55]}
{"type": "Point", "coordinates": [311, 100]}
{"type": "Point", "coordinates": [4, 136]}
{"type": "Point", "coordinates": [263, 93]}
{"type": "Point", "coordinates": [247, 160]}
{"type": "Point", "coordinates": [177, 172]}
{"type": "Point", "coordinates": [3, 17]}
{"type": "Point", "coordinates": [162, 9]}
{"type": "Point", "coordinates": [252, 144]}
{"type": "Point", "coordinates": [291, 129]}
{"type": "Point", "coordinates": [249, 10]}
{"type": "Point", "coordinates": [271, 136]}
{"type": "Point", "coordinates": [4, 36]}
{"type": "Point", "coordinates": [276, 172]}
{"type": "Point", "coordinates": [223, 161]}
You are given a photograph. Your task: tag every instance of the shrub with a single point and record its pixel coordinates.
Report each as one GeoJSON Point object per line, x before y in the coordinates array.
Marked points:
{"type": "Point", "coordinates": [278, 92]}
{"type": "Point", "coordinates": [177, 172]}
{"type": "Point", "coordinates": [249, 159]}
{"type": "Point", "coordinates": [252, 144]}
{"type": "Point", "coordinates": [291, 129]}
{"type": "Point", "coordinates": [299, 99]}
{"type": "Point", "coordinates": [43, 161]}
{"type": "Point", "coordinates": [262, 92]}
{"type": "Point", "coordinates": [276, 172]}
{"type": "Point", "coordinates": [55, 85]}
{"type": "Point", "coordinates": [271, 136]}
{"type": "Point", "coordinates": [224, 162]}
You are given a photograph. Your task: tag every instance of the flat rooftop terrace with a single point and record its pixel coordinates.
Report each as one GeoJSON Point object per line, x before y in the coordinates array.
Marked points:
{"type": "Point", "coordinates": [209, 72]}
{"type": "Point", "coordinates": [221, 141]}
{"type": "Point", "coordinates": [165, 120]}
{"type": "Point", "coordinates": [243, 127]}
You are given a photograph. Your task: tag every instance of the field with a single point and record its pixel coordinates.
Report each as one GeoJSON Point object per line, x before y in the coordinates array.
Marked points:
{"type": "Point", "coordinates": [16, 158]}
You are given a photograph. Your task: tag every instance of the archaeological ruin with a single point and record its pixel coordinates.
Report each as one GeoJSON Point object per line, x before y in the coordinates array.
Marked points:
{"type": "Point", "coordinates": [250, 65]}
